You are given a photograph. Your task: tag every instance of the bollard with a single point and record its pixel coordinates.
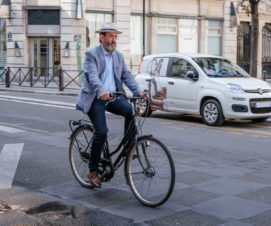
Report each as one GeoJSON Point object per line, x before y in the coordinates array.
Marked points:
{"type": "Point", "coordinates": [31, 77]}
{"type": "Point", "coordinates": [264, 74]}
{"type": "Point", "coordinates": [8, 77]}
{"type": "Point", "coordinates": [61, 79]}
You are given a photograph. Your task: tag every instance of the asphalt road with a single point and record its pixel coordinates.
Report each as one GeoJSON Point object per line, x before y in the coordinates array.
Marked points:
{"type": "Point", "coordinates": [39, 124]}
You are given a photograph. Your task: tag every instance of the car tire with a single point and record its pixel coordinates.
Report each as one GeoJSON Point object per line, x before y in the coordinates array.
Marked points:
{"type": "Point", "coordinates": [211, 113]}
{"type": "Point", "coordinates": [143, 107]}
{"type": "Point", "coordinates": [259, 119]}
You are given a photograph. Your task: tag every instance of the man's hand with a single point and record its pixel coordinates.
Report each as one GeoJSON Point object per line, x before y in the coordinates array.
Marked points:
{"type": "Point", "coordinates": [141, 94]}
{"type": "Point", "coordinates": [105, 96]}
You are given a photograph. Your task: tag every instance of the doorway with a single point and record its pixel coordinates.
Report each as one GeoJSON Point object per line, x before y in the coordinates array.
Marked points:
{"type": "Point", "coordinates": [45, 56]}
{"type": "Point", "coordinates": [266, 51]}
{"type": "Point", "coordinates": [243, 45]}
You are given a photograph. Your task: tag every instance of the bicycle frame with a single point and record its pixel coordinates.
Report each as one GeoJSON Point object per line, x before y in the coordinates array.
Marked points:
{"type": "Point", "coordinates": [128, 140]}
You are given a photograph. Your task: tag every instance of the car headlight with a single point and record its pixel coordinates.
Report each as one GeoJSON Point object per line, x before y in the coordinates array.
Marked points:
{"type": "Point", "coordinates": [235, 88]}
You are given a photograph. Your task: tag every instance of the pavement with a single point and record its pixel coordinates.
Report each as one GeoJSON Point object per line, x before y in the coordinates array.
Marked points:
{"type": "Point", "coordinates": [210, 190]}
{"type": "Point", "coordinates": [48, 91]}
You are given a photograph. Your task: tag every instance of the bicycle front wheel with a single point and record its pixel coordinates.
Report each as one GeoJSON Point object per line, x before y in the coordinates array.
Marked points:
{"type": "Point", "coordinates": [150, 172]}
{"type": "Point", "coordinates": [79, 154]}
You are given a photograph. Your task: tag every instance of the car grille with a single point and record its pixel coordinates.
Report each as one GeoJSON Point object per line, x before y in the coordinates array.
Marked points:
{"type": "Point", "coordinates": [257, 91]}
{"type": "Point", "coordinates": [259, 110]}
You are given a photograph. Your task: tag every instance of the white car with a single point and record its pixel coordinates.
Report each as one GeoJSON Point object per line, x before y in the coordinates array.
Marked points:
{"type": "Point", "coordinates": [206, 85]}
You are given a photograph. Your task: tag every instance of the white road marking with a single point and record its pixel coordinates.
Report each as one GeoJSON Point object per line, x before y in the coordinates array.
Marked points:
{"type": "Point", "coordinates": [41, 102]}
{"type": "Point", "coordinates": [9, 159]}
{"type": "Point", "coordinates": [38, 100]}
{"type": "Point", "coordinates": [10, 130]}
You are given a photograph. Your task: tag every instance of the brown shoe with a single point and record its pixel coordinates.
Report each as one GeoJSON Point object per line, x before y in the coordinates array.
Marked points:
{"type": "Point", "coordinates": [94, 179]}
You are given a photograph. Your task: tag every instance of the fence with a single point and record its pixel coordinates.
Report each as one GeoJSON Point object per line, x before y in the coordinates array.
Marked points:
{"type": "Point", "coordinates": [41, 77]}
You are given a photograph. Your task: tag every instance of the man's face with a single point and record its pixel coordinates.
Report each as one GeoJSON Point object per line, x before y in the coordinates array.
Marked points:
{"type": "Point", "coordinates": [109, 41]}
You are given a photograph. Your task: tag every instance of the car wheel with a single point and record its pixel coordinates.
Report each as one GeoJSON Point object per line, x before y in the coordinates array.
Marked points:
{"type": "Point", "coordinates": [259, 119]}
{"type": "Point", "coordinates": [143, 107]}
{"type": "Point", "coordinates": [212, 113]}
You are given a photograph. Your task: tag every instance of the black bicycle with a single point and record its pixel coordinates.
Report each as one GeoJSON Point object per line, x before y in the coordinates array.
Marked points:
{"type": "Point", "coordinates": [149, 169]}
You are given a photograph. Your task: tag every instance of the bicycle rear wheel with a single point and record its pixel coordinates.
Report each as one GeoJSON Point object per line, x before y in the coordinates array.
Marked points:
{"type": "Point", "coordinates": [79, 154]}
{"type": "Point", "coordinates": [150, 172]}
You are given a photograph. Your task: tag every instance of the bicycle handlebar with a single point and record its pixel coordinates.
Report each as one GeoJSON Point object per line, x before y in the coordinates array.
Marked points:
{"type": "Point", "coordinates": [117, 94]}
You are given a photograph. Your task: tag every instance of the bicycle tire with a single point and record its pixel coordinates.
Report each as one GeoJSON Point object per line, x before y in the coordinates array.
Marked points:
{"type": "Point", "coordinates": [150, 172]}
{"type": "Point", "coordinates": [79, 153]}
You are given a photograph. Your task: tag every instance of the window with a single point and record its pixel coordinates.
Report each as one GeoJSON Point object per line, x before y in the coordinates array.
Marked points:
{"type": "Point", "coordinates": [94, 21]}
{"type": "Point", "coordinates": [219, 67]}
{"type": "Point", "coordinates": [188, 36]}
{"type": "Point", "coordinates": [43, 17]}
{"type": "Point", "coordinates": [180, 67]}
{"type": "Point", "coordinates": [136, 40]}
{"type": "Point", "coordinates": [166, 35]}
{"type": "Point", "coordinates": [213, 44]}
{"type": "Point", "coordinates": [3, 44]}
{"type": "Point", "coordinates": [159, 66]}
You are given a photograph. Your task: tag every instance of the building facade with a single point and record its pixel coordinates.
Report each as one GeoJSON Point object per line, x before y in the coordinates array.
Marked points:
{"type": "Point", "coordinates": [54, 33]}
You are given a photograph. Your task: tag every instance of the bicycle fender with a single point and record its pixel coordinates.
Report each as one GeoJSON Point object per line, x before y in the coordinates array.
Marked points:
{"type": "Point", "coordinates": [144, 136]}
{"type": "Point", "coordinates": [78, 127]}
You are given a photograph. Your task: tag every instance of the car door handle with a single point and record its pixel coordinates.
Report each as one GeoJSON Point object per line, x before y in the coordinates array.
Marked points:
{"type": "Point", "coordinates": [170, 82]}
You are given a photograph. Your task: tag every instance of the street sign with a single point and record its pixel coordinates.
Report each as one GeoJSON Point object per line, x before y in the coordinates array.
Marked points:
{"type": "Point", "coordinates": [9, 36]}
{"type": "Point", "coordinates": [77, 37]}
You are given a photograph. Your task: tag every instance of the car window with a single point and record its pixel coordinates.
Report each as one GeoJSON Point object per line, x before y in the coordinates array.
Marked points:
{"type": "Point", "coordinates": [219, 67]}
{"type": "Point", "coordinates": [180, 67]}
{"type": "Point", "coordinates": [159, 66]}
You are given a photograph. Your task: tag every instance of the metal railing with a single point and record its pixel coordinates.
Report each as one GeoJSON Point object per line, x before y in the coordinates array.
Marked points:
{"type": "Point", "coordinates": [41, 77]}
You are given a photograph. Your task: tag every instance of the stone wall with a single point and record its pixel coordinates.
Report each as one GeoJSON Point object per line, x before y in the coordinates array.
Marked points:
{"type": "Point", "coordinates": [69, 28]}
{"type": "Point", "coordinates": [16, 26]}
{"type": "Point", "coordinates": [122, 19]}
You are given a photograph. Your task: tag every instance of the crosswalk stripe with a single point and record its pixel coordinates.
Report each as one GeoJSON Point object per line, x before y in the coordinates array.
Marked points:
{"type": "Point", "coordinates": [9, 159]}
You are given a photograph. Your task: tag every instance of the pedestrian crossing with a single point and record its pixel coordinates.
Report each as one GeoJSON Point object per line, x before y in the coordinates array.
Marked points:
{"type": "Point", "coordinates": [9, 159]}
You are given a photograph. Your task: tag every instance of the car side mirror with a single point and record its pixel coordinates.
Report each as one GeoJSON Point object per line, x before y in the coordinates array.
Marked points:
{"type": "Point", "coordinates": [194, 76]}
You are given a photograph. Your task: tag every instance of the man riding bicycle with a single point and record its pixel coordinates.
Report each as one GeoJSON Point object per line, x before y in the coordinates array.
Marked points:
{"type": "Point", "coordinates": [104, 72]}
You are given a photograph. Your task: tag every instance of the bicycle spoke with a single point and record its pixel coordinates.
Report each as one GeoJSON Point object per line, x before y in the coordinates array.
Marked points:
{"type": "Point", "coordinates": [79, 154]}
{"type": "Point", "coordinates": [151, 175]}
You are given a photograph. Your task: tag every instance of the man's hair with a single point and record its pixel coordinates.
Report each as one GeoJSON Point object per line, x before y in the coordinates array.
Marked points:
{"type": "Point", "coordinates": [102, 33]}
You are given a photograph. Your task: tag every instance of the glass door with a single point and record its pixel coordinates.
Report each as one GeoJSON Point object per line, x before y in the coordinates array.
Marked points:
{"type": "Point", "coordinates": [45, 56]}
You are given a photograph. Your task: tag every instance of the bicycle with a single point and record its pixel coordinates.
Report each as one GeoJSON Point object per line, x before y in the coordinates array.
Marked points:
{"type": "Point", "coordinates": [149, 168]}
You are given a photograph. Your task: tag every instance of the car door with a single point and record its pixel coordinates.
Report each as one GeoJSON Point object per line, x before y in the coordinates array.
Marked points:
{"type": "Point", "coordinates": [182, 91]}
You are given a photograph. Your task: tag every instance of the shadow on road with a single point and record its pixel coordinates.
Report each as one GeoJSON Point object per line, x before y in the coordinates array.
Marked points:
{"type": "Point", "coordinates": [195, 119]}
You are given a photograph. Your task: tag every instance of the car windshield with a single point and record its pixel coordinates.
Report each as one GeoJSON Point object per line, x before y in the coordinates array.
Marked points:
{"type": "Point", "coordinates": [219, 67]}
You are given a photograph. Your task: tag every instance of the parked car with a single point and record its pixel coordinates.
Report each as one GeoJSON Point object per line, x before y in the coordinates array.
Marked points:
{"type": "Point", "coordinates": [206, 85]}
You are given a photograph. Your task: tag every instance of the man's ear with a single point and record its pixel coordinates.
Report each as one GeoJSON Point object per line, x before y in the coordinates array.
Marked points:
{"type": "Point", "coordinates": [102, 37]}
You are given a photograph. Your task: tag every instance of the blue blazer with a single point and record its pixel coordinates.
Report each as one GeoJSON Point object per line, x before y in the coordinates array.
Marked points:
{"type": "Point", "coordinates": [94, 68]}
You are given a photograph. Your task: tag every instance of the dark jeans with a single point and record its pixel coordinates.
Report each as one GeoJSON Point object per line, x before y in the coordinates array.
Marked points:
{"type": "Point", "coordinates": [98, 119]}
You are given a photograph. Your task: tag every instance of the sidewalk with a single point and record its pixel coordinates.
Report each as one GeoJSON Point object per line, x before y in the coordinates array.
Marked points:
{"type": "Point", "coordinates": [40, 90]}
{"type": "Point", "coordinates": [19, 206]}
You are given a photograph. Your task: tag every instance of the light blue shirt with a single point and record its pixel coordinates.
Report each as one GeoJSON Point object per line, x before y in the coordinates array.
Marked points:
{"type": "Point", "coordinates": [108, 79]}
